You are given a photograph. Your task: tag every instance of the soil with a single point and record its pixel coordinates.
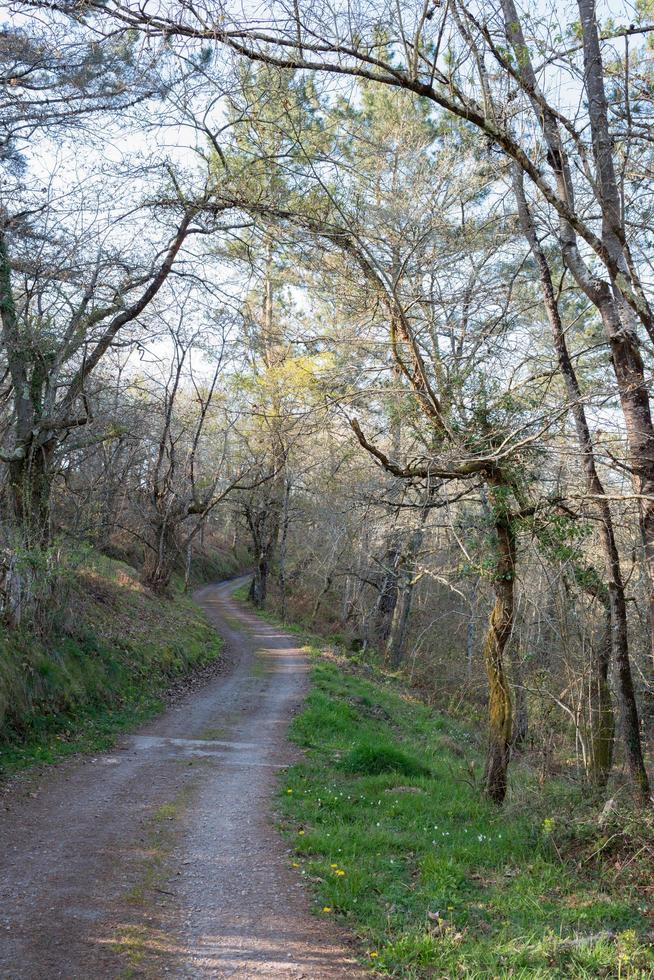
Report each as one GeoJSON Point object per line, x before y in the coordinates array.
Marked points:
{"type": "Point", "coordinates": [161, 858]}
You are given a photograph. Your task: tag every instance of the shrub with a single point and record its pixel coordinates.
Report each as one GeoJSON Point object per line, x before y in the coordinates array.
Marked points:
{"type": "Point", "coordinates": [372, 759]}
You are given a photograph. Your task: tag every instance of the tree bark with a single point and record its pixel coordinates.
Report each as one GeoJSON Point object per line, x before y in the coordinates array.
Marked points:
{"type": "Point", "coordinates": [602, 724]}
{"type": "Point", "coordinates": [283, 547]}
{"type": "Point", "coordinates": [499, 630]}
{"type": "Point", "coordinates": [160, 556]}
{"type": "Point", "coordinates": [396, 645]}
{"type": "Point", "coordinates": [520, 727]}
{"type": "Point", "coordinates": [595, 488]}
{"type": "Point", "coordinates": [388, 592]}
{"type": "Point", "coordinates": [471, 629]}
{"type": "Point", "coordinates": [397, 637]}
{"type": "Point", "coordinates": [258, 592]}
{"type": "Point", "coordinates": [30, 488]}
{"type": "Point", "coordinates": [263, 519]}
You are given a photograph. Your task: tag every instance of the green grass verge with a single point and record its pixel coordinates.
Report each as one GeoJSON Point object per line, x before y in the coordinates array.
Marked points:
{"type": "Point", "coordinates": [242, 595]}
{"type": "Point", "coordinates": [387, 821]}
{"type": "Point", "coordinates": [105, 673]}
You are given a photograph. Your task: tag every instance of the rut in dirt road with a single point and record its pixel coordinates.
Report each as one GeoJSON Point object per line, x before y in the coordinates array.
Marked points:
{"type": "Point", "coordinates": [160, 858]}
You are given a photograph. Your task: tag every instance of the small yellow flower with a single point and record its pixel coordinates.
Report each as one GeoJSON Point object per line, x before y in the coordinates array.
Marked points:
{"type": "Point", "coordinates": [339, 872]}
{"type": "Point", "coordinates": [450, 908]}
{"type": "Point", "coordinates": [301, 833]}
{"type": "Point", "coordinates": [295, 864]}
{"type": "Point", "coordinates": [289, 790]}
{"type": "Point", "coordinates": [373, 954]}
{"type": "Point", "coordinates": [327, 908]}
{"type": "Point", "coordinates": [333, 866]}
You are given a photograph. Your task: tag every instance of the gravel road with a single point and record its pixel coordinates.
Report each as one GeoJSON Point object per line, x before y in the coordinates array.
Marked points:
{"type": "Point", "coordinates": [160, 858]}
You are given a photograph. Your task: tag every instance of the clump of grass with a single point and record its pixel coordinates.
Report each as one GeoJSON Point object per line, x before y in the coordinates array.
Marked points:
{"type": "Point", "coordinates": [373, 758]}
{"type": "Point", "coordinates": [440, 883]}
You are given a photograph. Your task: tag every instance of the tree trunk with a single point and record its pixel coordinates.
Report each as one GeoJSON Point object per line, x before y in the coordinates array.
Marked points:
{"type": "Point", "coordinates": [606, 295]}
{"type": "Point", "coordinates": [396, 644]}
{"type": "Point", "coordinates": [602, 724]}
{"type": "Point", "coordinates": [188, 564]}
{"type": "Point", "coordinates": [498, 632]}
{"type": "Point", "coordinates": [595, 488]}
{"type": "Point", "coordinates": [520, 728]}
{"type": "Point", "coordinates": [264, 518]}
{"type": "Point", "coordinates": [30, 487]}
{"type": "Point", "coordinates": [388, 592]}
{"type": "Point", "coordinates": [471, 629]}
{"type": "Point", "coordinates": [634, 398]}
{"type": "Point", "coordinates": [618, 318]}
{"type": "Point", "coordinates": [258, 591]}
{"type": "Point", "coordinates": [283, 547]}
{"type": "Point", "coordinates": [406, 587]}
{"type": "Point", "coordinates": [160, 556]}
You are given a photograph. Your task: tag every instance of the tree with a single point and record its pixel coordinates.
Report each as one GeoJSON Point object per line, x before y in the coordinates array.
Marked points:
{"type": "Point", "coordinates": [272, 124]}
{"type": "Point", "coordinates": [600, 257]}
{"type": "Point", "coordinates": [189, 473]}
{"type": "Point", "coordinates": [442, 55]}
{"type": "Point", "coordinates": [50, 358]}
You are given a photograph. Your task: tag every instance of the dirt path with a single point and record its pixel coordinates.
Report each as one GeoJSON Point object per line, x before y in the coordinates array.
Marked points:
{"type": "Point", "coordinates": [160, 858]}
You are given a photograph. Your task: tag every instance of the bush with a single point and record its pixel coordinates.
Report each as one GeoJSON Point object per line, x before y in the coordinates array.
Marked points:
{"type": "Point", "coordinates": [372, 759]}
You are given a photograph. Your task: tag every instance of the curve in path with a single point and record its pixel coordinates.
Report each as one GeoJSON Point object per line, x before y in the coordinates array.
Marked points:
{"type": "Point", "coordinates": [160, 858]}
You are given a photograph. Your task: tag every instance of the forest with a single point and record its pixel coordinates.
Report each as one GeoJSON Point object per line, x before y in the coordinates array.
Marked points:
{"type": "Point", "coordinates": [355, 299]}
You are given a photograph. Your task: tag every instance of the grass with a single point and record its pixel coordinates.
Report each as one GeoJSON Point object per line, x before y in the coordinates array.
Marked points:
{"type": "Point", "coordinates": [374, 758]}
{"type": "Point", "coordinates": [104, 673]}
{"type": "Point", "coordinates": [242, 594]}
{"type": "Point", "coordinates": [386, 820]}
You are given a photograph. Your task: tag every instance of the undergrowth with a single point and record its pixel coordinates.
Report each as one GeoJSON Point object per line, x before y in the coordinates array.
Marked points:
{"type": "Point", "coordinates": [388, 823]}
{"type": "Point", "coordinates": [104, 672]}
